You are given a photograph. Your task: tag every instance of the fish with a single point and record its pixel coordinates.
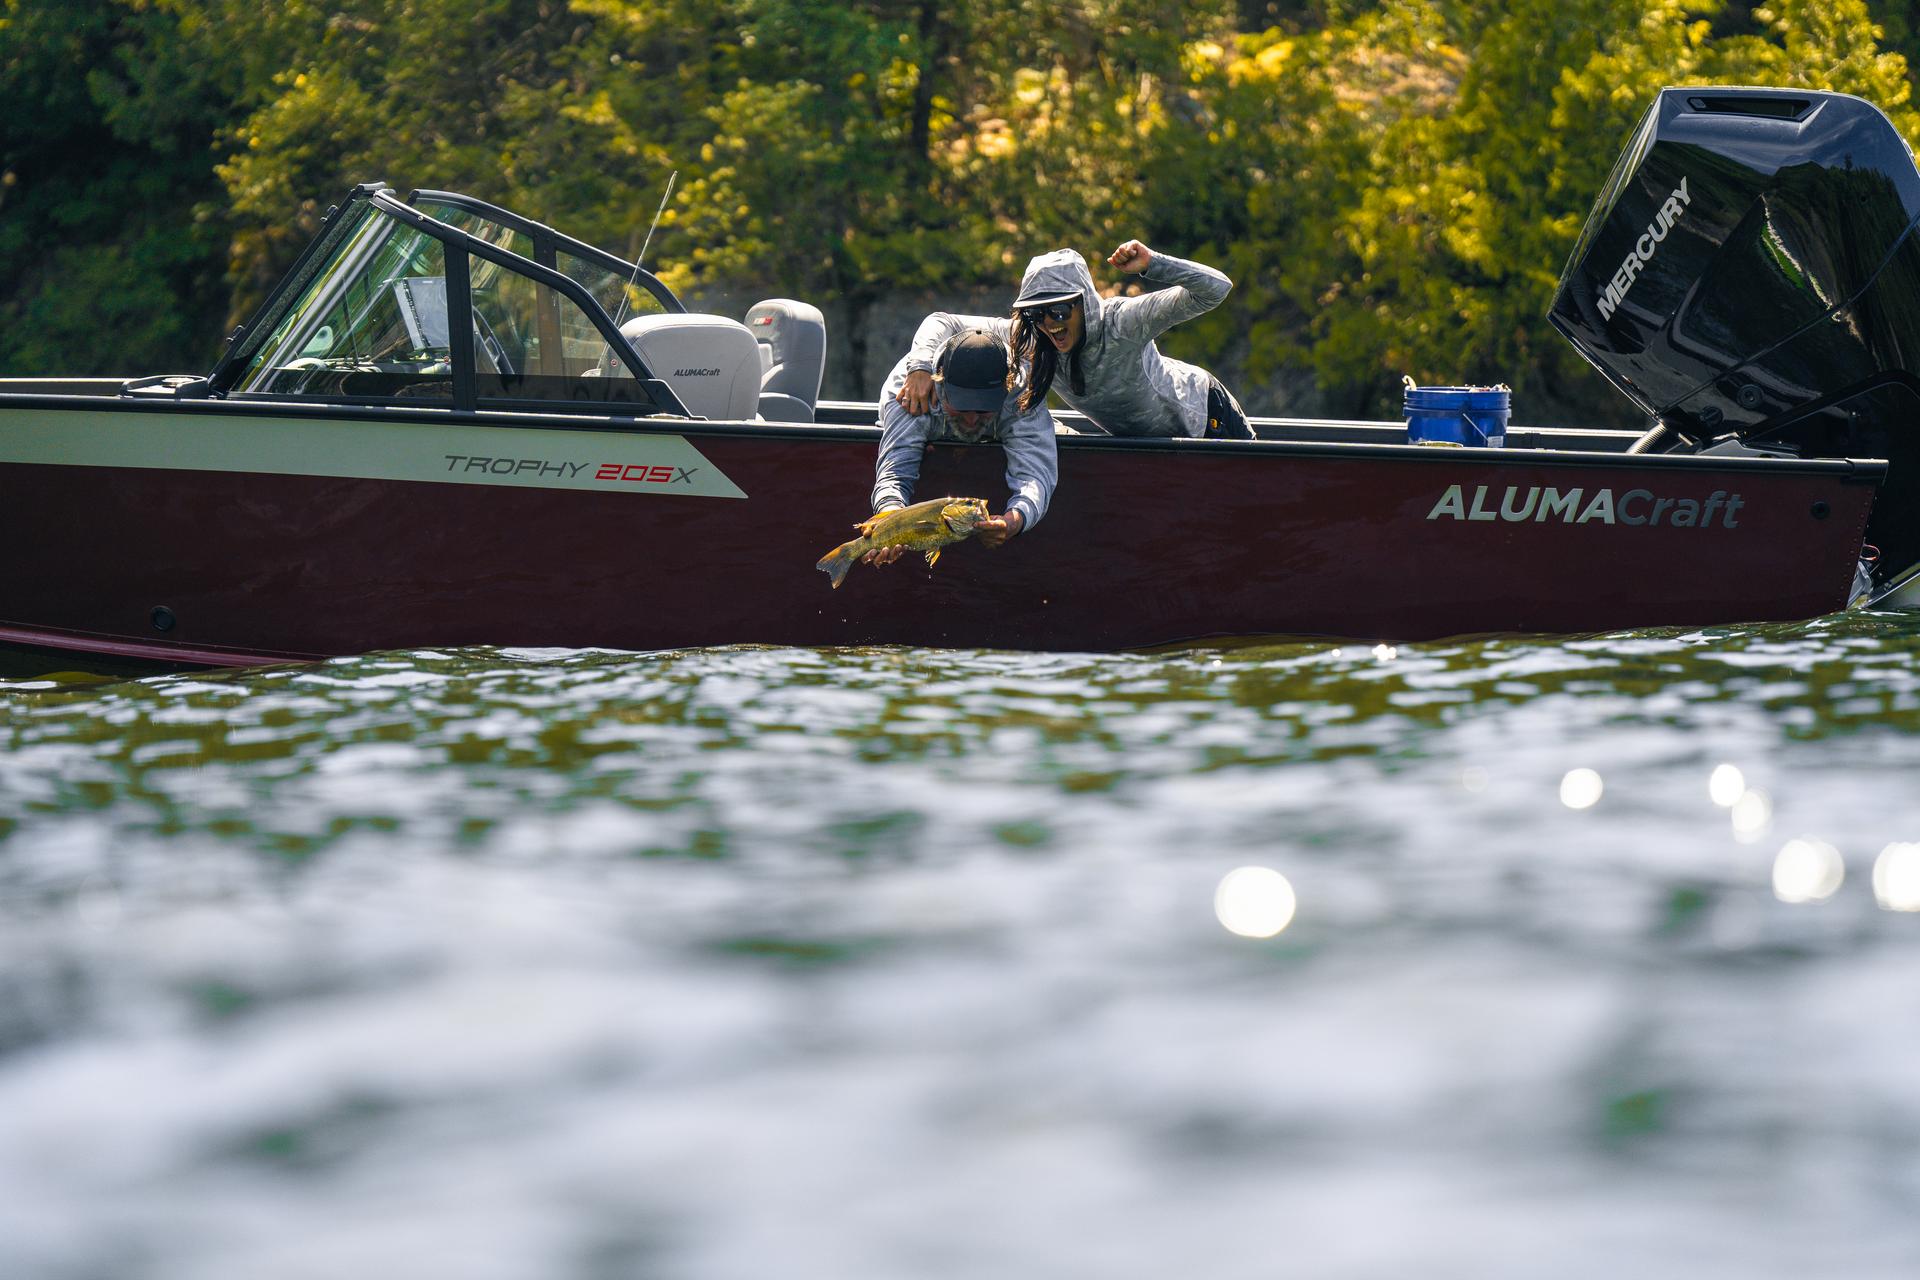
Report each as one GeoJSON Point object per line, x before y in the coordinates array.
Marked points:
{"type": "Point", "coordinates": [924, 526]}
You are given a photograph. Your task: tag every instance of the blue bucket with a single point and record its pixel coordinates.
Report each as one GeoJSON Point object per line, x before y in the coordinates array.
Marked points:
{"type": "Point", "coordinates": [1473, 416]}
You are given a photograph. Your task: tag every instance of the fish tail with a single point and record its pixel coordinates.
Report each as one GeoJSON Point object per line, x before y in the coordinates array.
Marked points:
{"type": "Point", "coordinates": [837, 561]}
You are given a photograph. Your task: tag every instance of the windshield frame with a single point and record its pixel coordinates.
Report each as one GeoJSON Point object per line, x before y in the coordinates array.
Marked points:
{"type": "Point", "coordinates": [548, 244]}
{"type": "Point", "coordinates": [341, 221]}
{"type": "Point", "coordinates": [336, 226]}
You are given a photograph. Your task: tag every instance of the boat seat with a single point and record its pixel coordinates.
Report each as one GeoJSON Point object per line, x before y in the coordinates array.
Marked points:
{"type": "Point", "coordinates": [709, 361]}
{"type": "Point", "coordinates": [792, 337]}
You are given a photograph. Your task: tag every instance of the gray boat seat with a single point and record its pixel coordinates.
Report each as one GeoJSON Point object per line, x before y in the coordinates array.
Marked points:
{"type": "Point", "coordinates": [792, 337]}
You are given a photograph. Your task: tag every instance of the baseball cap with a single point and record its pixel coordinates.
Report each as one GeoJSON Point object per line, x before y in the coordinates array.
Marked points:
{"type": "Point", "coordinates": [973, 372]}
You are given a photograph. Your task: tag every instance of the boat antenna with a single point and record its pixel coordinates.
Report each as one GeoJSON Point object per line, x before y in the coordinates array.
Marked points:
{"type": "Point", "coordinates": [634, 279]}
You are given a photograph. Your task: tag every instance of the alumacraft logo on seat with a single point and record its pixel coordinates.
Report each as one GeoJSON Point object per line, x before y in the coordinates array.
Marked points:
{"type": "Point", "coordinates": [1643, 250]}
{"type": "Point", "coordinates": [1574, 506]}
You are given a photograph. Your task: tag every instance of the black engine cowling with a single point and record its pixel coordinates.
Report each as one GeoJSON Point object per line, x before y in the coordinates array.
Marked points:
{"type": "Point", "coordinates": [1751, 270]}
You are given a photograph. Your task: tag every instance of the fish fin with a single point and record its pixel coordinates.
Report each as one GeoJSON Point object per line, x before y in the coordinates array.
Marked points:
{"type": "Point", "coordinates": [837, 561]}
{"type": "Point", "coordinates": [933, 557]}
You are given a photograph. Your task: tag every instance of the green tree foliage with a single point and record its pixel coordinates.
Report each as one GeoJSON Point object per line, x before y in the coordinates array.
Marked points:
{"type": "Point", "coordinates": [1451, 255]}
{"type": "Point", "coordinates": [1394, 184]}
{"type": "Point", "coordinates": [487, 96]}
{"type": "Point", "coordinates": [854, 150]}
{"type": "Point", "coordinates": [1319, 127]}
{"type": "Point", "coordinates": [104, 156]}
{"type": "Point", "coordinates": [1899, 30]}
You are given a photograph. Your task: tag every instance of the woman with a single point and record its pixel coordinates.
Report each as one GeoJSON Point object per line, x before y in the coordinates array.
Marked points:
{"type": "Point", "coordinates": [1116, 375]}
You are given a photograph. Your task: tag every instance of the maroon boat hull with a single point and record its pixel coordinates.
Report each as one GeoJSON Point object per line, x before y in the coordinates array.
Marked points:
{"type": "Point", "coordinates": [1147, 543]}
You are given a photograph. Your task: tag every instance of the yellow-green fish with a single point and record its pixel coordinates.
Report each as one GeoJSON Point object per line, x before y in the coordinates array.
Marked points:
{"type": "Point", "coordinates": [924, 526]}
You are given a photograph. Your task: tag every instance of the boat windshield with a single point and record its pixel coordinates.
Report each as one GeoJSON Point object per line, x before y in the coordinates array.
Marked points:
{"type": "Point", "coordinates": [373, 324]}
{"type": "Point", "coordinates": [621, 293]}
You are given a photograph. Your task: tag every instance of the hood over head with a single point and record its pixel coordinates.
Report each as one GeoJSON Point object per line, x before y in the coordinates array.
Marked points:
{"type": "Point", "coordinates": [1060, 274]}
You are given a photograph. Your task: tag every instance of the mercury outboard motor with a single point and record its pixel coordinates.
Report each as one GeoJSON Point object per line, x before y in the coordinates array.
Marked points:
{"type": "Point", "coordinates": [1750, 276]}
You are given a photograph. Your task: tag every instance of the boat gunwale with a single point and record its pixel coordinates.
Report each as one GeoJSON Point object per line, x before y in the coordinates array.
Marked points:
{"type": "Point", "coordinates": [1851, 470]}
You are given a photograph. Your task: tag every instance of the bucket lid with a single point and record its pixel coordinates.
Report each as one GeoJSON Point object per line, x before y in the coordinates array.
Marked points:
{"type": "Point", "coordinates": [1406, 381]}
{"type": "Point", "coordinates": [1417, 397]}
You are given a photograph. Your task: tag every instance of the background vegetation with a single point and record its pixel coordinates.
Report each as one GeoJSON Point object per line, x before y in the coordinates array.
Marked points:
{"type": "Point", "coordinates": [1394, 185]}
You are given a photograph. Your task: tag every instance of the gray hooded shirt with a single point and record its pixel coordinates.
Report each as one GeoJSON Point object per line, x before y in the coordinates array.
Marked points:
{"type": "Point", "coordinates": [1131, 389]}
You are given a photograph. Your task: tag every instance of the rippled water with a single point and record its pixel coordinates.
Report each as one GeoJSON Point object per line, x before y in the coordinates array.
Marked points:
{"type": "Point", "coordinates": [904, 963]}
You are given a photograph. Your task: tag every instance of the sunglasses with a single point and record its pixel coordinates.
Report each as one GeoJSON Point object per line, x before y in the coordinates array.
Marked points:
{"type": "Point", "coordinates": [1056, 311]}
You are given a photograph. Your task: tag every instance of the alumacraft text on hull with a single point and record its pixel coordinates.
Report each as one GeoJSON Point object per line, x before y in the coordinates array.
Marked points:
{"type": "Point", "coordinates": [450, 426]}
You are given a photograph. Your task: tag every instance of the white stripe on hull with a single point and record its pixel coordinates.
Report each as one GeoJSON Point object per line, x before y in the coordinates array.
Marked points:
{"type": "Point", "coordinates": [431, 452]}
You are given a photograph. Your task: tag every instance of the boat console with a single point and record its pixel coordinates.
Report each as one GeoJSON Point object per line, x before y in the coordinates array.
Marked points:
{"type": "Point", "coordinates": [1750, 276]}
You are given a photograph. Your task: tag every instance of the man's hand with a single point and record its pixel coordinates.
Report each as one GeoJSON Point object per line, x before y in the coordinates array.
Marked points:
{"type": "Point", "coordinates": [916, 396]}
{"type": "Point", "coordinates": [995, 530]}
{"type": "Point", "coordinates": [883, 555]}
{"type": "Point", "coordinates": [1131, 257]}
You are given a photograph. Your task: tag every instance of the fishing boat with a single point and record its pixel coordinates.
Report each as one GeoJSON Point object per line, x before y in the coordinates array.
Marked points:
{"type": "Point", "coordinates": [452, 425]}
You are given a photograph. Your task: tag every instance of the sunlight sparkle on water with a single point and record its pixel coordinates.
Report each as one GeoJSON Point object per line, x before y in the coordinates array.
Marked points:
{"type": "Point", "coordinates": [1752, 815]}
{"type": "Point", "coordinates": [1254, 902]}
{"type": "Point", "coordinates": [1727, 785]}
{"type": "Point", "coordinates": [1807, 871]}
{"type": "Point", "coordinates": [1581, 789]}
{"type": "Point", "coordinates": [646, 929]}
{"type": "Point", "coordinates": [1896, 877]}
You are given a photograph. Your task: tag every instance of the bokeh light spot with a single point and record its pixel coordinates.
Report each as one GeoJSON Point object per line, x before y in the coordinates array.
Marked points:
{"type": "Point", "coordinates": [1752, 814]}
{"type": "Point", "coordinates": [1896, 877]}
{"type": "Point", "coordinates": [1727, 785]}
{"type": "Point", "coordinates": [1807, 871]}
{"type": "Point", "coordinates": [1254, 902]}
{"type": "Point", "coordinates": [1581, 789]}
